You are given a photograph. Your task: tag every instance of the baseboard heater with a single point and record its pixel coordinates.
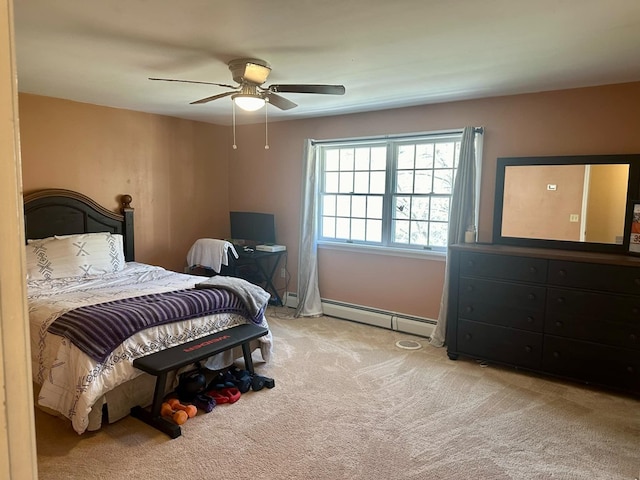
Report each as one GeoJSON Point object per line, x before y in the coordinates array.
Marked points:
{"type": "Point", "coordinates": [420, 326]}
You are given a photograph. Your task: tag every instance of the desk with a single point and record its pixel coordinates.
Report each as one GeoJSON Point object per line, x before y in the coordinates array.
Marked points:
{"type": "Point", "coordinates": [257, 267]}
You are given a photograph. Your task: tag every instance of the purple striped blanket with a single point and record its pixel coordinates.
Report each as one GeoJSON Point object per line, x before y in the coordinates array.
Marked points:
{"type": "Point", "coordinates": [98, 329]}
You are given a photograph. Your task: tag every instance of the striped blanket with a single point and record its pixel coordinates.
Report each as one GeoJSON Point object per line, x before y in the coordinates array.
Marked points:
{"type": "Point", "coordinates": [98, 329]}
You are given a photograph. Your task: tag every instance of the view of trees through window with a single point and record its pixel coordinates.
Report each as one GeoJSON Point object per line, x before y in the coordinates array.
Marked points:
{"type": "Point", "coordinates": [389, 193]}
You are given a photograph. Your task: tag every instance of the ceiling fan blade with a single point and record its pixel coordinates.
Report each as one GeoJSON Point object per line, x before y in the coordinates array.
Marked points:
{"type": "Point", "coordinates": [323, 89]}
{"type": "Point", "coordinates": [212, 98]}
{"type": "Point", "coordinates": [192, 81]}
{"type": "Point", "coordinates": [280, 102]}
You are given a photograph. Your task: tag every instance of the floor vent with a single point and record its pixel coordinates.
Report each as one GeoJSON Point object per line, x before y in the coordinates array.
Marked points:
{"type": "Point", "coordinates": [408, 344]}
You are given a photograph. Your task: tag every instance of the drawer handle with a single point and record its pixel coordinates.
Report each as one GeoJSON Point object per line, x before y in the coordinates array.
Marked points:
{"type": "Point", "coordinates": [470, 263]}
{"type": "Point", "coordinates": [468, 309]}
{"type": "Point", "coordinates": [467, 336]}
{"type": "Point", "coordinates": [562, 273]}
{"type": "Point", "coordinates": [469, 288]}
{"type": "Point", "coordinates": [558, 324]}
{"type": "Point", "coordinates": [528, 349]}
{"type": "Point", "coordinates": [533, 269]}
{"type": "Point", "coordinates": [531, 296]}
{"type": "Point", "coordinates": [560, 300]}
{"type": "Point", "coordinates": [556, 354]}
{"type": "Point", "coordinates": [530, 319]}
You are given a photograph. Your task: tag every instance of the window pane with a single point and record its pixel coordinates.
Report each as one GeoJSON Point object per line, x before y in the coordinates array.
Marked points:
{"type": "Point", "coordinates": [342, 228]}
{"type": "Point", "coordinates": [402, 207]}
{"type": "Point", "coordinates": [361, 182]}
{"type": "Point", "coordinates": [331, 182]}
{"type": "Point", "coordinates": [346, 182]}
{"type": "Point", "coordinates": [438, 235]}
{"type": "Point", "coordinates": [331, 160]}
{"type": "Point", "coordinates": [444, 155]}
{"type": "Point", "coordinates": [374, 207]}
{"type": "Point", "coordinates": [440, 209]}
{"type": "Point", "coordinates": [379, 158]}
{"type": "Point", "coordinates": [419, 232]}
{"type": "Point", "coordinates": [374, 231]}
{"type": "Point", "coordinates": [406, 156]}
{"type": "Point", "coordinates": [420, 208]}
{"type": "Point", "coordinates": [329, 205]}
{"type": "Point", "coordinates": [424, 179]}
{"type": "Point", "coordinates": [404, 181]}
{"type": "Point", "coordinates": [424, 156]}
{"type": "Point", "coordinates": [328, 227]}
{"type": "Point", "coordinates": [362, 159]}
{"type": "Point", "coordinates": [401, 231]}
{"type": "Point", "coordinates": [359, 206]}
{"type": "Point", "coordinates": [358, 229]}
{"type": "Point", "coordinates": [343, 205]}
{"type": "Point", "coordinates": [443, 181]}
{"type": "Point", "coordinates": [346, 159]}
{"type": "Point", "coordinates": [378, 182]}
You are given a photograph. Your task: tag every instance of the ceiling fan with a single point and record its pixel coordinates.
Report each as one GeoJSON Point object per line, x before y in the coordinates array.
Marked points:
{"type": "Point", "coordinates": [249, 94]}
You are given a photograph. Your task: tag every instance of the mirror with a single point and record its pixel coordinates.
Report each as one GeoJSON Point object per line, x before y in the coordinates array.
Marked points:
{"type": "Point", "coordinates": [576, 202]}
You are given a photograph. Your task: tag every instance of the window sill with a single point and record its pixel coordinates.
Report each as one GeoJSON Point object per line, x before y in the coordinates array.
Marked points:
{"type": "Point", "coordinates": [389, 251]}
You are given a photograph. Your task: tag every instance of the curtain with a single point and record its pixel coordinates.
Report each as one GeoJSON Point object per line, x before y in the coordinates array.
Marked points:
{"type": "Point", "coordinates": [309, 302]}
{"type": "Point", "coordinates": [461, 216]}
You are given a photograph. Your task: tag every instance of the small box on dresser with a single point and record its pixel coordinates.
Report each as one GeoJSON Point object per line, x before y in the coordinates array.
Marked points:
{"type": "Point", "coordinates": [574, 315]}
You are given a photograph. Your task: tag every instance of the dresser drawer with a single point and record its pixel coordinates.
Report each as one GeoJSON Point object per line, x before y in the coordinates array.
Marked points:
{"type": "Point", "coordinates": [505, 345]}
{"type": "Point", "coordinates": [594, 276]}
{"type": "Point", "coordinates": [507, 304]}
{"type": "Point", "coordinates": [597, 317]}
{"type": "Point", "coordinates": [503, 267]}
{"type": "Point", "coordinates": [592, 363]}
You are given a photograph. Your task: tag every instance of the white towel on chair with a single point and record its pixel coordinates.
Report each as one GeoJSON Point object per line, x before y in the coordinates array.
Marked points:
{"type": "Point", "coordinates": [210, 253]}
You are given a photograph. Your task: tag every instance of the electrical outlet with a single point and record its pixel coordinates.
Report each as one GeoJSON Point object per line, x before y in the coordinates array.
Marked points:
{"type": "Point", "coordinates": [283, 272]}
{"type": "Point", "coordinates": [574, 217]}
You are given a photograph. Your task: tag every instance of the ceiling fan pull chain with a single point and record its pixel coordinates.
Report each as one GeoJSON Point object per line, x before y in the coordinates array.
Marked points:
{"type": "Point", "coordinates": [233, 115]}
{"type": "Point", "coordinates": [266, 128]}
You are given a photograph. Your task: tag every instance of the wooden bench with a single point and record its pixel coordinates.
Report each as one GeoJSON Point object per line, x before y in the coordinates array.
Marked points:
{"type": "Point", "coordinates": [161, 363]}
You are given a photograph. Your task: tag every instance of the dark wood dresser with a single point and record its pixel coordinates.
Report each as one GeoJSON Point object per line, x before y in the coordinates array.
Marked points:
{"type": "Point", "coordinates": [575, 315]}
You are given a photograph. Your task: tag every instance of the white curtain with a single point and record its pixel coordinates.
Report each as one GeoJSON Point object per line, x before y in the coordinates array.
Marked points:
{"type": "Point", "coordinates": [461, 215]}
{"type": "Point", "coordinates": [309, 302]}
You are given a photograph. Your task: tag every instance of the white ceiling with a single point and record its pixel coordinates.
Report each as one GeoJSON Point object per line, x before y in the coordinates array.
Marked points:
{"type": "Point", "coordinates": [386, 53]}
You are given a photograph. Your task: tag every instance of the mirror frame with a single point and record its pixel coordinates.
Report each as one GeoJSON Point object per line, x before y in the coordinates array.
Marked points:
{"type": "Point", "coordinates": [633, 192]}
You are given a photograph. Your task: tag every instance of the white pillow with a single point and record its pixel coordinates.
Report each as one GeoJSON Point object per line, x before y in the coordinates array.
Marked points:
{"type": "Point", "coordinates": [74, 256]}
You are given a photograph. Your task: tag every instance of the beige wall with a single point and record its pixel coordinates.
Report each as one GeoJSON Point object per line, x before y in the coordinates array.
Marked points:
{"type": "Point", "coordinates": [190, 169]}
{"type": "Point", "coordinates": [597, 120]}
{"type": "Point", "coordinates": [174, 169]}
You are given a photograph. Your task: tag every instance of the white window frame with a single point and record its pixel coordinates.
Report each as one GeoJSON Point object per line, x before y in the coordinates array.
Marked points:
{"type": "Point", "coordinates": [385, 246]}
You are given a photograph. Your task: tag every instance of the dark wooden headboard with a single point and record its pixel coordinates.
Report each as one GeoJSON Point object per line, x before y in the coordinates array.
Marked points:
{"type": "Point", "coordinates": [65, 212]}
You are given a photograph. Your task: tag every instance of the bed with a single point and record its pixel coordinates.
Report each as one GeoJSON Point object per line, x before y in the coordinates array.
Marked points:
{"type": "Point", "coordinates": [90, 385]}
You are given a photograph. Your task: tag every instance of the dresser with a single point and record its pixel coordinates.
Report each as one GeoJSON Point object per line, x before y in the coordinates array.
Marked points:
{"type": "Point", "coordinates": [574, 315]}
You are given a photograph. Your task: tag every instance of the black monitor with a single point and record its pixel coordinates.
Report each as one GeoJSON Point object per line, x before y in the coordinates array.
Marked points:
{"type": "Point", "coordinates": [259, 228]}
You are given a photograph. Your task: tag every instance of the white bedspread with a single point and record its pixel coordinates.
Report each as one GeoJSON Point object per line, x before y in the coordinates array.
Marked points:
{"type": "Point", "coordinates": [70, 381]}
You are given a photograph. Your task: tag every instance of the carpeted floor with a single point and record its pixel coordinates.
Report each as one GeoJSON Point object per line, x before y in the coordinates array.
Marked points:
{"type": "Point", "coordinates": [350, 404]}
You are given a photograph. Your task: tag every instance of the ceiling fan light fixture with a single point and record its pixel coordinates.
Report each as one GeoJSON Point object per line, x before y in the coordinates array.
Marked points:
{"type": "Point", "coordinates": [250, 70]}
{"type": "Point", "coordinates": [249, 103]}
